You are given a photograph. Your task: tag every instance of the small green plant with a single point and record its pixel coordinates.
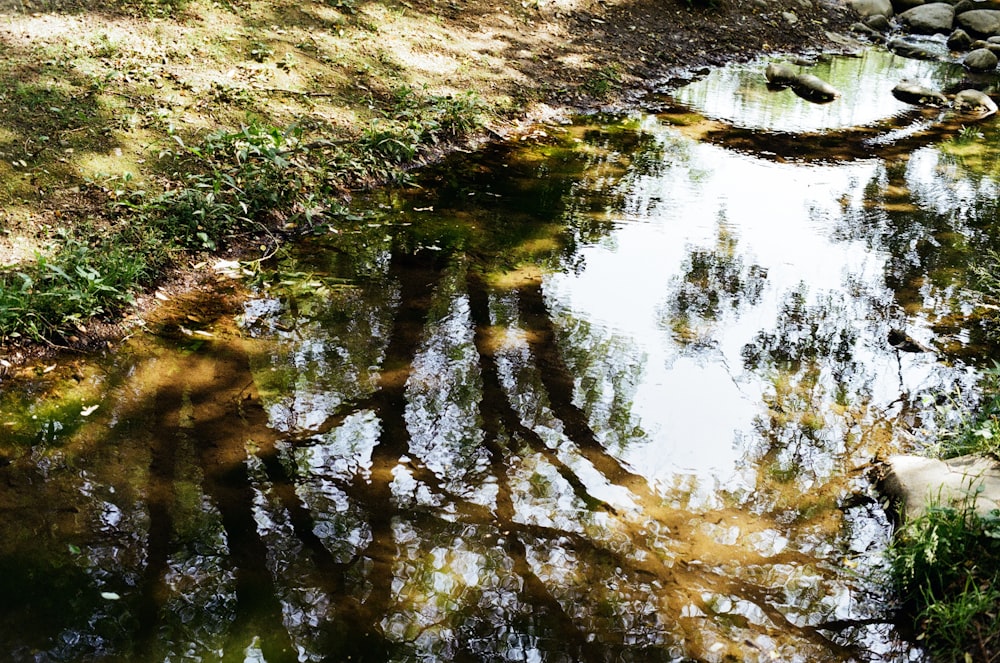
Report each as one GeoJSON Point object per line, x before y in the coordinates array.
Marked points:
{"type": "Point", "coordinates": [62, 288]}
{"type": "Point", "coordinates": [946, 565]}
{"type": "Point", "coordinates": [259, 51]}
{"type": "Point", "coordinates": [392, 140]}
{"type": "Point", "coordinates": [967, 135]}
{"type": "Point", "coordinates": [604, 81]}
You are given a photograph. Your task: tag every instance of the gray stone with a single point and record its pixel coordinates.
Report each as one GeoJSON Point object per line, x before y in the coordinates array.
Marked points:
{"type": "Point", "coordinates": [930, 19]}
{"type": "Point", "coordinates": [963, 6]}
{"type": "Point", "coordinates": [959, 40]}
{"type": "Point", "coordinates": [980, 60]}
{"type": "Point", "coordinates": [907, 50]}
{"type": "Point", "coordinates": [980, 22]}
{"type": "Point", "coordinates": [914, 93]}
{"type": "Point", "coordinates": [866, 8]}
{"type": "Point", "coordinates": [982, 43]}
{"type": "Point", "coordinates": [864, 30]}
{"type": "Point", "coordinates": [790, 17]}
{"type": "Point", "coordinates": [878, 23]}
{"type": "Point", "coordinates": [918, 483]}
{"type": "Point", "coordinates": [814, 88]}
{"type": "Point", "coordinates": [779, 73]}
{"type": "Point", "coordinates": [975, 103]}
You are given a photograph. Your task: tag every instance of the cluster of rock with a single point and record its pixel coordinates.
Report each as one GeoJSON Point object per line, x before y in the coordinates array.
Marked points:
{"type": "Point", "coordinates": [973, 31]}
{"type": "Point", "coordinates": [973, 27]}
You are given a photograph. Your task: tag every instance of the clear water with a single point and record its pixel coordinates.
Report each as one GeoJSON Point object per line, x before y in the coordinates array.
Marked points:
{"type": "Point", "coordinates": [611, 393]}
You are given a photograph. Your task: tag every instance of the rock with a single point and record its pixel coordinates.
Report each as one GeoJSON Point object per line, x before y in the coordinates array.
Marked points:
{"type": "Point", "coordinates": [902, 5]}
{"type": "Point", "coordinates": [918, 483]}
{"type": "Point", "coordinates": [878, 23]}
{"type": "Point", "coordinates": [899, 339]}
{"type": "Point", "coordinates": [863, 29]}
{"type": "Point", "coordinates": [974, 102]}
{"type": "Point", "coordinates": [790, 17]}
{"type": "Point", "coordinates": [963, 6]}
{"type": "Point", "coordinates": [780, 74]}
{"type": "Point", "coordinates": [930, 19]}
{"type": "Point", "coordinates": [914, 93]}
{"type": "Point", "coordinates": [980, 60]}
{"type": "Point", "coordinates": [814, 88]}
{"type": "Point", "coordinates": [988, 45]}
{"type": "Point", "coordinates": [959, 40]}
{"type": "Point", "coordinates": [980, 22]}
{"type": "Point", "coordinates": [908, 50]}
{"type": "Point", "coordinates": [868, 8]}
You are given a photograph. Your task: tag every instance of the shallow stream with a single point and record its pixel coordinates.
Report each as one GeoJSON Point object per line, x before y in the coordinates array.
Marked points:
{"type": "Point", "coordinates": [610, 392]}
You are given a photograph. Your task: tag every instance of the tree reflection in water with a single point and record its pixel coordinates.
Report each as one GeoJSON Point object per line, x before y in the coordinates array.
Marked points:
{"type": "Point", "coordinates": [412, 450]}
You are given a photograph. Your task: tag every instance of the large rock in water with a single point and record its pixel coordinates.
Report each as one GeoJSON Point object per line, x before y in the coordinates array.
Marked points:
{"type": "Point", "coordinates": [866, 8]}
{"type": "Point", "coordinates": [918, 483]}
{"type": "Point", "coordinates": [779, 73]}
{"type": "Point", "coordinates": [914, 93]}
{"type": "Point", "coordinates": [980, 60]}
{"type": "Point", "coordinates": [814, 88]}
{"type": "Point", "coordinates": [930, 19]}
{"type": "Point", "coordinates": [974, 102]}
{"type": "Point", "coordinates": [905, 49]}
{"type": "Point", "coordinates": [980, 22]}
{"type": "Point", "coordinates": [959, 40]}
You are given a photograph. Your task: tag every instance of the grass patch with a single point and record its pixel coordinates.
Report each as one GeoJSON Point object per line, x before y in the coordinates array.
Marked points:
{"type": "Point", "coordinates": [604, 81]}
{"type": "Point", "coordinates": [946, 564]}
{"type": "Point", "coordinates": [77, 280]}
{"type": "Point", "coordinates": [232, 184]}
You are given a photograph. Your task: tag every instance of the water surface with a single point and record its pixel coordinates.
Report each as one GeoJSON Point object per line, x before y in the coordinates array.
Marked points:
{"type": "Point", "coordinates": [610, 393]}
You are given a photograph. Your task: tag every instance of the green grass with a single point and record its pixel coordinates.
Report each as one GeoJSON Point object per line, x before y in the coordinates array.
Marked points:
{"type": "Point", "coordinates": [231, 185]}
{"type": "Point", "coordinates": [63, 288]}
{"type": "Point", "coordinates": [946, 565]}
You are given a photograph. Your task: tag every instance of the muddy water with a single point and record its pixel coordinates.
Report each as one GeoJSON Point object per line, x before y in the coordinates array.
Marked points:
{"type": "Point", "coordinates": [611, 393]}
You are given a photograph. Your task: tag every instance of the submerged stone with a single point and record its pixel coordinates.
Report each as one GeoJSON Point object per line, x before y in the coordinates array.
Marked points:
{"type": "Point", "coordinates": [779, 73]}
{"type": "Point", "coordinates": [905, 49]}
{"type": "Point", "coordinates": [814, 88]}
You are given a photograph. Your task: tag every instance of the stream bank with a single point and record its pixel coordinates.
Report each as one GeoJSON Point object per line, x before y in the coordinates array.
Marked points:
{"type": "Point", "coordinates": [101, 94]}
